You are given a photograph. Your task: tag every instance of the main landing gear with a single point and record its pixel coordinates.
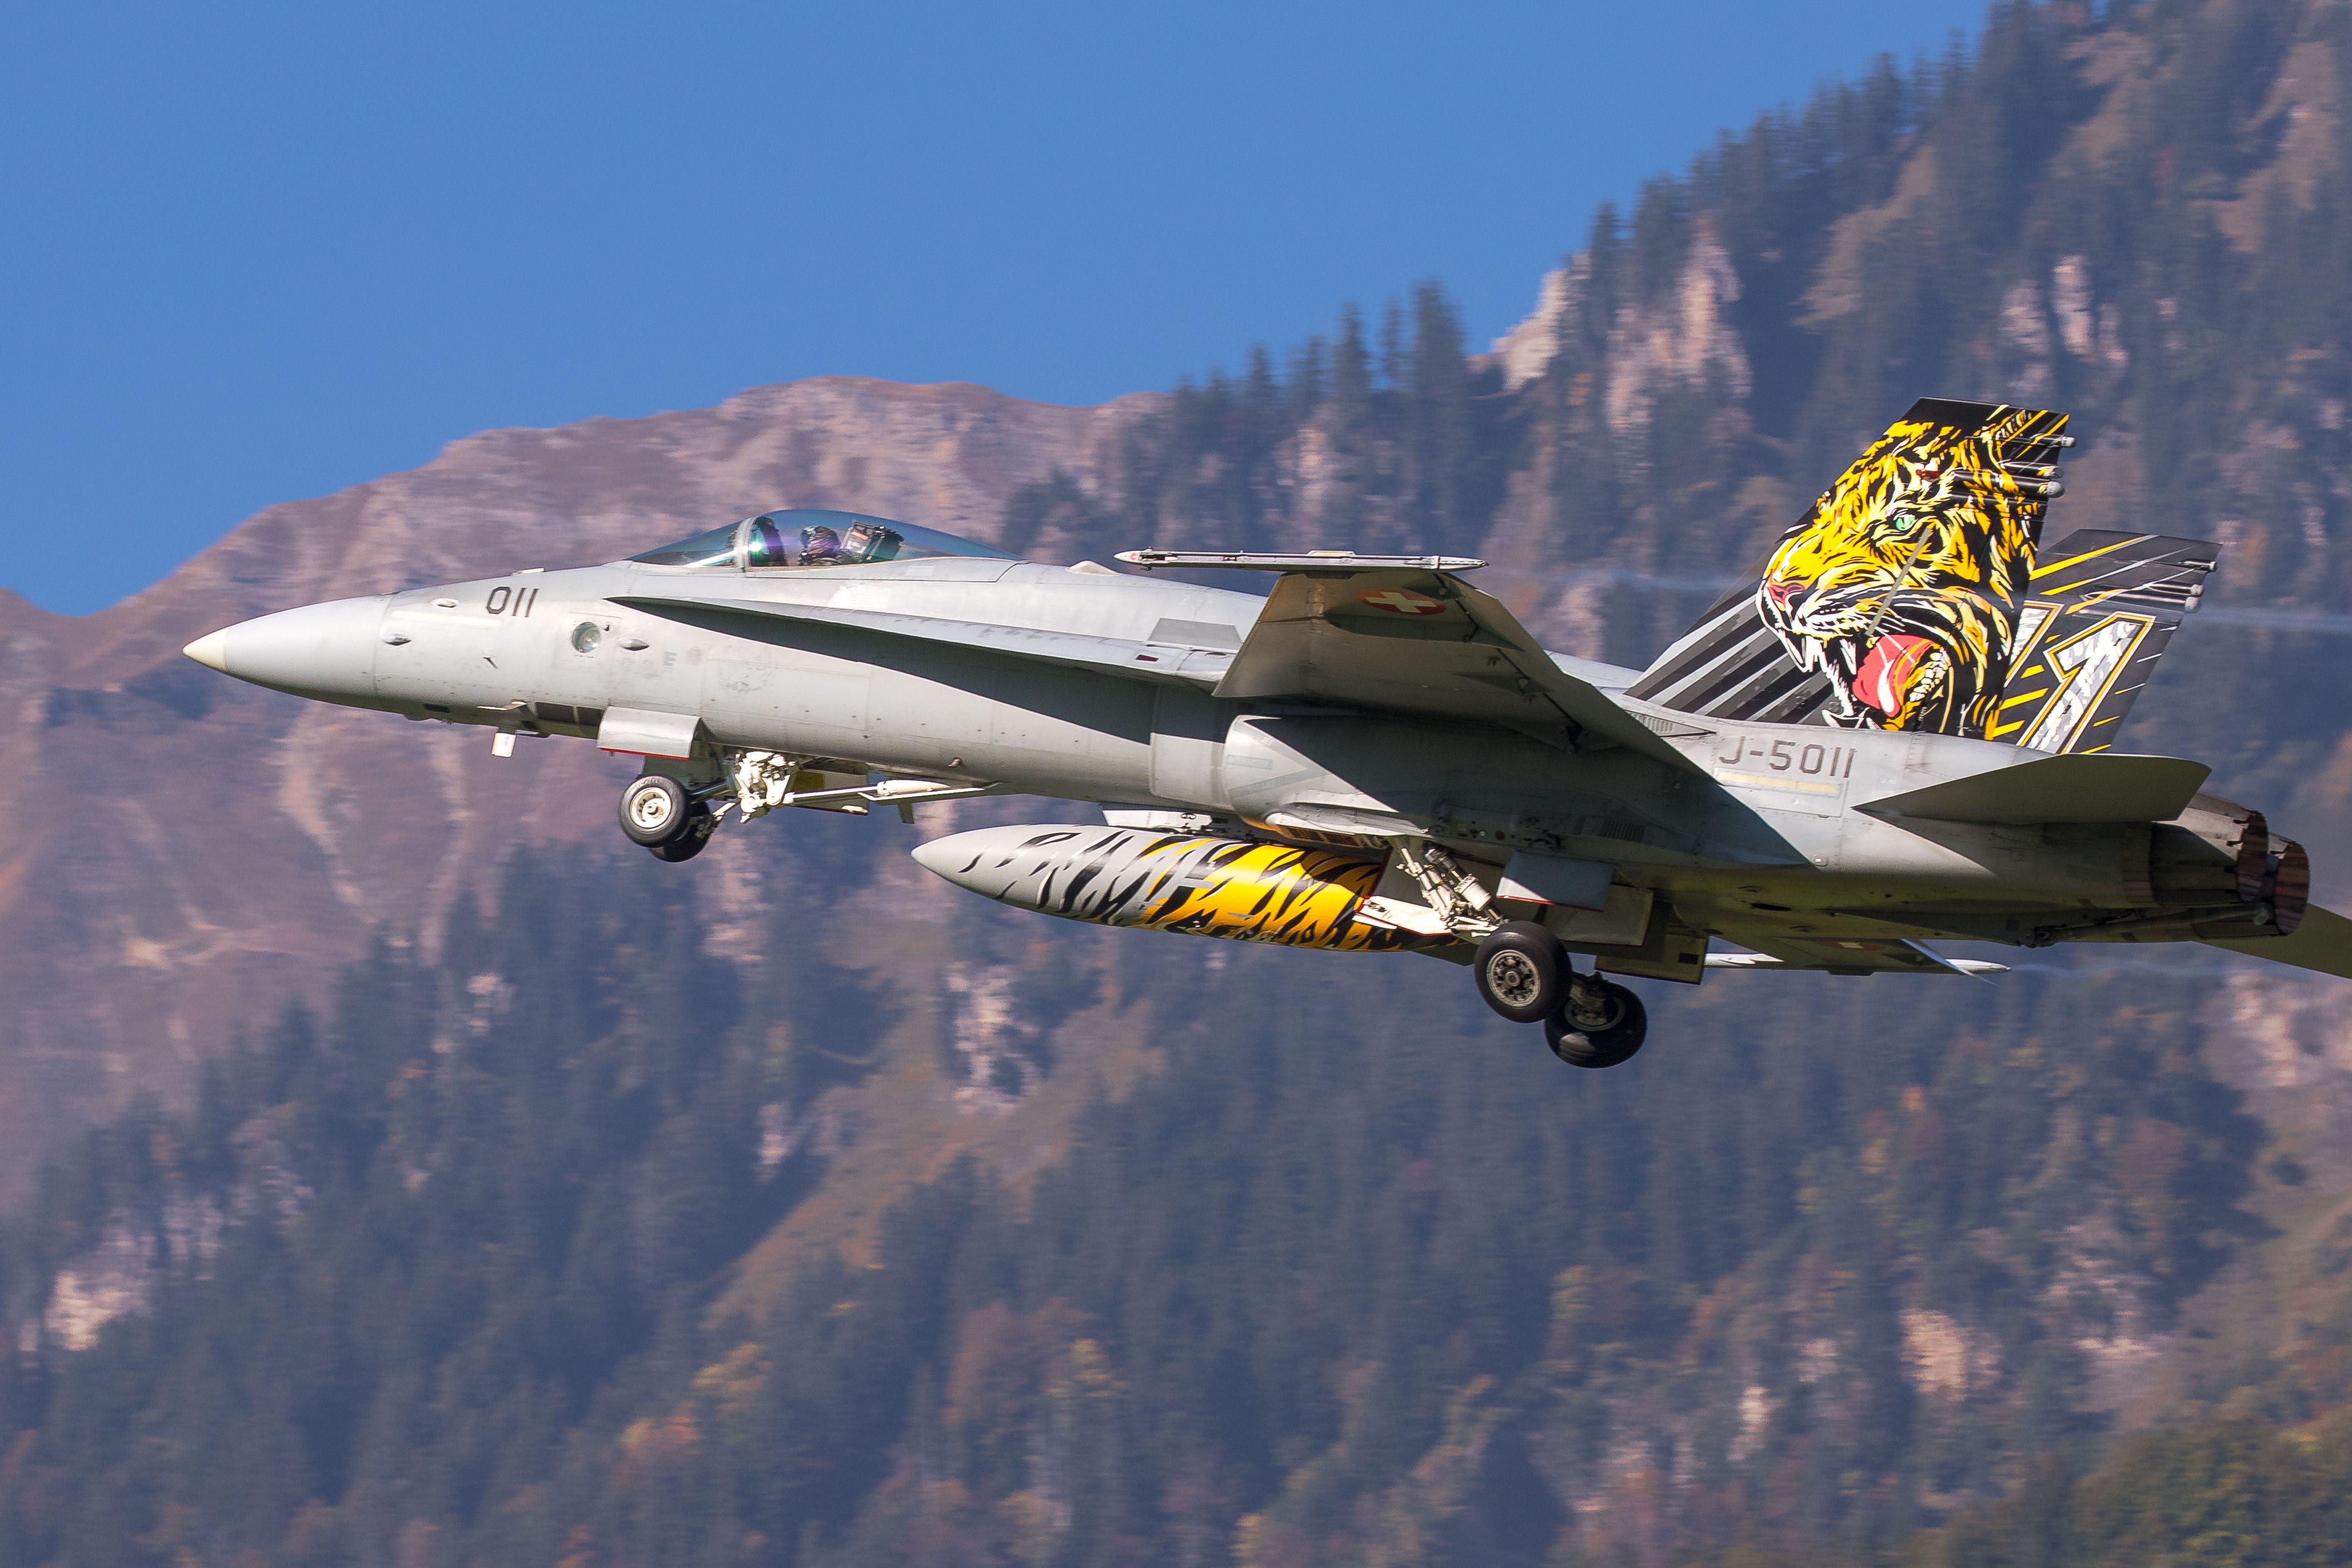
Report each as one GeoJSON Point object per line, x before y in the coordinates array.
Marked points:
{"type": "Point", "coordinates": [1589, 1021]}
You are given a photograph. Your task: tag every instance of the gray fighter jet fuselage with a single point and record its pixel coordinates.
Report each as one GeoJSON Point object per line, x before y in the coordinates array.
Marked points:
{"type": "Point", "coordinates": [1378, 756]}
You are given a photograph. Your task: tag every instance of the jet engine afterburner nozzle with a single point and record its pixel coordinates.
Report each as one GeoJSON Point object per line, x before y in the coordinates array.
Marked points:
{"type": "Point", "coordinates": [2219, 852]}
{"type": "Point", "coordinates": [1176, 881]}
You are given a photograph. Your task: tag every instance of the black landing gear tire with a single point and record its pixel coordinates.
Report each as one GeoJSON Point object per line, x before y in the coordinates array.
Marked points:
{"type": "Point", "coordinates": [1520, 972]}
{"type": "Point", "coordinates": [656, 810]}
{"type": "Point", "coordinates": [1599, 1024]}
{"type": "Point", "coordinates": [689, 844]}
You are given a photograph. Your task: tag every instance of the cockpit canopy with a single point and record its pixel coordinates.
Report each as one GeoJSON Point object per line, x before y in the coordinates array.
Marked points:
{"type": "Point", "coordinates": [804, 537]}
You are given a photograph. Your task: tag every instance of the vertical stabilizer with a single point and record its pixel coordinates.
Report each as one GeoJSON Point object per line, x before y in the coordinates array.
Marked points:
{"type": "Point", "coordinates": [2098, 611]}
{"type": "Point", "coordinates": [1893, 602]}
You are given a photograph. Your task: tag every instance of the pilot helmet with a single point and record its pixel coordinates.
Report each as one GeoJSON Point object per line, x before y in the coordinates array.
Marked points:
{"type": "Point", "coordinates": [766, 545]}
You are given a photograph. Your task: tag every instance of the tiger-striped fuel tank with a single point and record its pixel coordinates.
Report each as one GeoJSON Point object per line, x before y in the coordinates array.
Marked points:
{"type": "Point", "coordinates": [1175, 881]}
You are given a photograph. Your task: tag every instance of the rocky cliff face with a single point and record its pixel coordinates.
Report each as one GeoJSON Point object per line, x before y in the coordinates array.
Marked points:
{"type": "Point", "coordinates": [188, 848]}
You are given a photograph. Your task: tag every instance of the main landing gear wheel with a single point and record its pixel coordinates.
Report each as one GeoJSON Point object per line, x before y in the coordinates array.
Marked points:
{"type": "Point", "coordinates": [1519, 969]}
{"type": "Point", "coordinates": [1599, 1024]}
{"type": "Point", "coordinates": [656, 811]}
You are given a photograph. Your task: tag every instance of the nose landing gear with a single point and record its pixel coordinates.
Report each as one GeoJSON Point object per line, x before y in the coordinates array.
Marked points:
{"type": "Point", "coordinates": [1587, 1021]}
{"type": "Point", "coordinates": [687, 844]}
{"type": "Point", "coordinates": [661, 814]}
{"type": "Point", "coordinates": [674, 818]}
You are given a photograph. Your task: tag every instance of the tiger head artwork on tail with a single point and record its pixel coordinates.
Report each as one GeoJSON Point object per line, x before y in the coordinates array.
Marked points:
{"type": "Point", "coordinates": [1901, 585]}
{"type": "Point", "coordinates": [1893, 602]}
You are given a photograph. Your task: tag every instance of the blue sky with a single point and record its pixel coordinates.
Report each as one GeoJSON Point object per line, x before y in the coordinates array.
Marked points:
{"type": "Point", "coordinates": [265, 251]}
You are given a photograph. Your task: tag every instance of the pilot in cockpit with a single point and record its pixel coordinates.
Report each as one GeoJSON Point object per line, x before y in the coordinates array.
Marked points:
{"type": "Point", "coordinates": [820, 546]}
{"type": "Point", "coordinates": [797, 537]}
{"type": "Point", "coordinates": [765, 547]}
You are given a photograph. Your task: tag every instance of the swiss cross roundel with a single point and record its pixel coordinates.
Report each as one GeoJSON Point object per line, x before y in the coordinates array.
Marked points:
{"type": "Point", "coordinates": [1402, 601]}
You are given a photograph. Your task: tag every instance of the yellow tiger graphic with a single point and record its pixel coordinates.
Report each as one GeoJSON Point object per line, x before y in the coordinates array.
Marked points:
{"type": "Point", "coordinates": [1269, 892]}
{"type": "Point", "coordinates": [1242, 890]}
{"type": "Point", "coordinates": [1902, 584]}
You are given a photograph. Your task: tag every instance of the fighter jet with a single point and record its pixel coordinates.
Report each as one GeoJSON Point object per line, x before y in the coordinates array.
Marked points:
{"type": "Point", "coordinates": [1900, 728]}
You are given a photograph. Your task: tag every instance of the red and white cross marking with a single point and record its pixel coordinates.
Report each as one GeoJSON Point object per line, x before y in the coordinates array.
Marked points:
{"type": "Point", "coordinates": [1402, 601]}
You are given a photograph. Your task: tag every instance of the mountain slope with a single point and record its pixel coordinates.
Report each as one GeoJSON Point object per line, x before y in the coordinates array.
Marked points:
{"type": "Point", "coordinates": [189, 845]}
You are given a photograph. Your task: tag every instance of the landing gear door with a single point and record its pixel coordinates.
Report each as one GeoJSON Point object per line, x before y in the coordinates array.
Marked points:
{"type": "Point", "coordinates": [1188, 746]}
{"type": "Point", "coordinates": [1669, 951]}
{"type": "Point", "coordinates": [1623, 922]}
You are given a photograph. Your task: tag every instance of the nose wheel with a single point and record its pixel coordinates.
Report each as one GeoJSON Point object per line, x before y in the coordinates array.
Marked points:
{"type": "Point", "coordinates": [658, 812]}
{"type": "Point", "coordinates": [687, 844]}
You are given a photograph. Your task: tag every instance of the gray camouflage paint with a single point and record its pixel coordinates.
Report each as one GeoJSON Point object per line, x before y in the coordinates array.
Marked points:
{"type": "Point", "coordinates": [1072, 684]}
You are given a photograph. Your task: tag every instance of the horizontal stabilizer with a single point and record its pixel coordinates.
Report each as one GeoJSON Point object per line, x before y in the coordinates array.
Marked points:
{"type": "Point", "coordinates": [1876, 956]}
{"type": "Point", "coordinates": [2322, 942]}
{"type": "Point", "coordinates": [1149, 662]}
{"type": "Point", "coordinates": [2083, 787]}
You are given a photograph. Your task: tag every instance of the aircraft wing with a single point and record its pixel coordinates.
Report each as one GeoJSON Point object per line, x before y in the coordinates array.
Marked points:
{"type": "Point", "coordinates": [1869, 956]}
{"type": "Point", "coordinates": [1407, 635]}
{"type": "Point", "coordinates": [2322, 942]}
{"type": "Point", "coordinates": [2083, 787]}
{"type": "Point", "coordinates": [1199, 668]}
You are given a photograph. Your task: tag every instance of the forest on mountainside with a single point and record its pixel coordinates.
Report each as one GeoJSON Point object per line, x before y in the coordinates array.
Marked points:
{"type": "Point", "coordinates": [1326, 1266]}
{"type": "Point", "coordinates": [438, 1265]}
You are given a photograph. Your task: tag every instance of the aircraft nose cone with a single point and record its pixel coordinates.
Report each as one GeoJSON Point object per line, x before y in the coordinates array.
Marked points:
{"type": "Point", "coordinates": [325, 650]}
{"type": "Point", "coordinates": [211, 650]}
